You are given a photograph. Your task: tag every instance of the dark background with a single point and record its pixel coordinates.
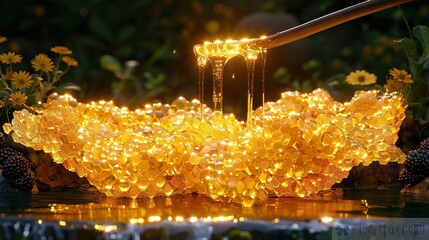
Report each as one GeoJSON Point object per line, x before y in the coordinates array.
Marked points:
{"type": "Point", "coordinates": [160, 35]}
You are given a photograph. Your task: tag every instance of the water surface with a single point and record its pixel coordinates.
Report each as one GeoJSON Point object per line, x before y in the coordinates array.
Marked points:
{"type": "Point", "coordinates": [86, 204]}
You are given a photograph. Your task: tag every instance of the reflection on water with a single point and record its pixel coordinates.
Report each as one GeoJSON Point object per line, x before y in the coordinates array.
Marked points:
{"type": "Point", "coordinates": [89, 205]}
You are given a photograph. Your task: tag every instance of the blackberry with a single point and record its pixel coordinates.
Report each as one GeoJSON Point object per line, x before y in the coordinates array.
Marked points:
{"type": "Point", "coordinates": [31, 164]}
{"type": "Point", "coordinates": [406, 177]}
{"type": "Point", "coordinates": [424, 144]}
{"type": "Point", "coordinates": [25, 182]}
{"type": "Point", "coordinates": [6, 151]}
{"type": "Point", "coordinates": [417, 162]}
{"type": "Point", "coordinates": [14, 167]}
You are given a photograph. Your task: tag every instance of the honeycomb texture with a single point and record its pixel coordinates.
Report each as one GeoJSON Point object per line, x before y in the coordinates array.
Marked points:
{"type": "Point", "coordinates": [304, 143]}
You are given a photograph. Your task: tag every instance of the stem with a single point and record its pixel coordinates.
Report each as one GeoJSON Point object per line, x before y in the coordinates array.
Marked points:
{"type": "Point", "coordinates": [48, 76]}
{"type": "Point", "coordinates": [31, 109]}
{"type": "Point", "coordinates": [57, 67]}
{"type": "Point", "coordinates": [406, 23]}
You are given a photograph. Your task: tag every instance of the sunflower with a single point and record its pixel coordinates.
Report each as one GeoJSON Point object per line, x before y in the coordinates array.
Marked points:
{"type": "Point", "coordinates": [21, 80]}
{"type": "Point", "coordinates": [3, 39]}
{"type": "Point", "coordinates": [69, 61]}
{"type": "Point", "coordinates": [401, 75]}
{"type": "Point", "coordinates": [361, 77]}
{"type": "Point", "coordinates": [18, 98]}
{"type": "Point", "coordinates": [42, 63]}
{"type": "Point", "coordinates": [393, 86]}
{"type": "Point", "coordinates": [10, 57]}
{"type": "Point", "coordinates": [61, 50]}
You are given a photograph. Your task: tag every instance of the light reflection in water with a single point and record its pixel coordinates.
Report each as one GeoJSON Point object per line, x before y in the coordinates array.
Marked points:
{"type": "Point", "coordinates": [92, 206]}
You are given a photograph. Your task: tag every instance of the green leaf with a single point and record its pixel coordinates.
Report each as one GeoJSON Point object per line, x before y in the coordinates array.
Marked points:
{"type": "Point", "coordinates": [159, 53]}
{"type": "Point", "coordinates": [110, 63]}
{"type": "Point", "coordinates": [125, 34]}
{"type": "Point", "coordinates": [415, 109]}
{"type": "Point", "coordinates": [406, 49]}
{"type": "Point", "coordinates": [422, 34]}
{"type": "Point", "coordinates": [4, 94]}
{"type": "Point", "coordinates": [99, 27]}
{"type": "Point", "coordinates": [124, 51]}
{"type": "Point", "coordinates": [157, 81]}
{"type": "Point", "coordinates": [2, 85]}
{"type": "Point", "coordinates": [419, 109]}
{"type": "Point", "coordinates": [422, 122]}
{"type": "Point", "coordinates": [426, 64]}
{"type": "Point", "coordinates": [282, 75]}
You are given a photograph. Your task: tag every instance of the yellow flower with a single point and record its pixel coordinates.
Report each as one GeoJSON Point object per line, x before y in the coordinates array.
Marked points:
{"type": "Point", "coordinates": [393, 86]}
{"type": "Point", "coordinates": [2, 103]}
{"type": "Point", "coordinates": [69, 61]}
{"type": "Point", "coordinates": [8, 75]}
{"type": "Point", "coordinates": [18, 98]}
{"type": "Point", "coordinates": [3, 39]}
{"type": "Point", "coordinates": [361, 77]}
{"type": "Point", "coordinates": [61, 50]}
{"type": "Point", "coordinates": [10, 57]}
{"type": "Point", "coordinates": [401, 75]}
{"type": "Point", "coordinates": [21, 80]}
{"type": "Point", "coordinates": [42, 63]}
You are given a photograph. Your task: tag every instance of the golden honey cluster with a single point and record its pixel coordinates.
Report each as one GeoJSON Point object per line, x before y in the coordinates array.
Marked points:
{"type": "Point", "coordinates": [304, 143]}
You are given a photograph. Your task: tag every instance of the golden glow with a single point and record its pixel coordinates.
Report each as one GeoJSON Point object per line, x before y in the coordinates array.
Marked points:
{"type": "Point", "coordinates": [193, 219]}
{"type": "Point", "coordinates": [228, 49]}
{"type": "Point", "coordinates": [62, 223]}
{"type": "Point", "coordinates": [154, 219]}
{"type": "Point", "coordinates": [168, 149]}
{"type": "Point", "coordinates": [105, 228]}
{"type": "Point", "coordinates": [136, 220]}
{"type": "Point", "coordinates": [223, 218]}
{"type": "Point", "coordinates": [326, 219]}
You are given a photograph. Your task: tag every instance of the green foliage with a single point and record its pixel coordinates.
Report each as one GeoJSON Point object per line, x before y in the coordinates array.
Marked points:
{"type": "Point", "coordinates": [283, 75]}
{"type": "Point", "coordinates": [25, 89]}
{"type": "Point", "coordinates": [128, 89]}
{"type": "Point", "coordinates": [414, 52]}
{"type": "Point", "coordinates": [160, 36]}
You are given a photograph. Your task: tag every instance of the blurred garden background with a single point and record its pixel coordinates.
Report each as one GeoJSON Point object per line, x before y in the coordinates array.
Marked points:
{"type": "Point", "coordinates": [141, 51]}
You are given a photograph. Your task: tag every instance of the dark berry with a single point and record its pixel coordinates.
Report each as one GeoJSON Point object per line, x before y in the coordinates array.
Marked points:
{"type": "Point", "coordinates": [25, 182]}
{"type": "Point", "coordinates": [6, 151]}
{"type": "Point", "coordinates": [14, 167]}
{"type": "Point", "coordinates": [31, 164]}
{"type": "Point", "coordinates": [417, 162]}
{"type": "Point", "coordinates": [425, 144]}
{"type": "Point", "coordinates": [406, 177]}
